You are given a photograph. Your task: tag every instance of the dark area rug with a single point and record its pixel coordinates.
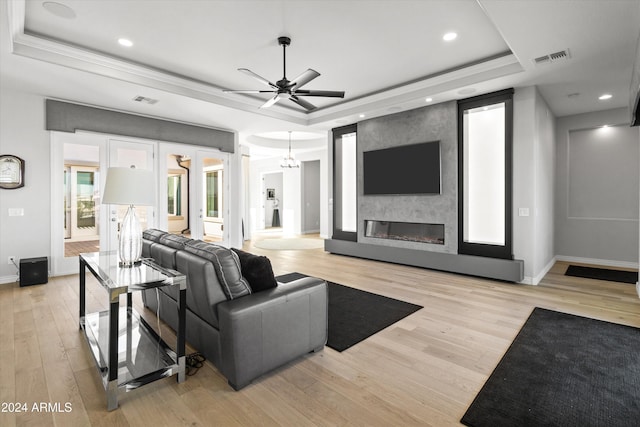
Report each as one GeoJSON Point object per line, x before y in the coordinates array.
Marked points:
{"type": "Point", "coordinates": [355, 315]}
{"type": "Point", "coordinates": [602, 274]}
{"type": "Point", "coordinates": [563, 370]}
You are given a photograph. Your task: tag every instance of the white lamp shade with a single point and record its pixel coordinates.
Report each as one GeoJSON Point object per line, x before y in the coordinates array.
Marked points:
{"type": "Point", "coordinates": [129, 186]}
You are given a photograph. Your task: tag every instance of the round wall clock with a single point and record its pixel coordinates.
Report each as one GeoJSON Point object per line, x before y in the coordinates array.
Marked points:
{"type": "Point", "coordinates": [11, 172]}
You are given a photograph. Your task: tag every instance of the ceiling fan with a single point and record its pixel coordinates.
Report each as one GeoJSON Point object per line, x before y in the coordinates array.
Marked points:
{"type": "Point", "coordinates": [283, 89]}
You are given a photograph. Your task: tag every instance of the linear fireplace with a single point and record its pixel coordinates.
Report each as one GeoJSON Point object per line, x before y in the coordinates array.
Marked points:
{"type": "Point", "coordinates": [407, 231]}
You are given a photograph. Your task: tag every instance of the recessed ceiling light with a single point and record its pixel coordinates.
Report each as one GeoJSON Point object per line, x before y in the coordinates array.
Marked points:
{"type": "Point", "coordinates": [428, 100]}
{"type": "Point", "coordinates": [450, 36]}
{"type": "Point", "coordinates": [125, 42]}
{"type": "Point", "coordinates": [59, 9]}
{"type": "Point", "coordinates": [605, 96]}
{"type": "Point", "coordinates": [362, 116]}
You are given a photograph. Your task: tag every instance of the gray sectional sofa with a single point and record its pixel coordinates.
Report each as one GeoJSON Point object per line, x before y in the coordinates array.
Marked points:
{"type": "Point", "coordinates": [237, 316]}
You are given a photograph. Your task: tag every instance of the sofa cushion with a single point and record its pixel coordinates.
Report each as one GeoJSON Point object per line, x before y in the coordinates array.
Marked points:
{"type": "Point", "coordinates": [257, 270]}
{"type": "Point", "coordinates": [226, 265]}
{"type": "Point", "coordinates": [153, 234]}
{"type": "Point", "coordinates": [174, 241]}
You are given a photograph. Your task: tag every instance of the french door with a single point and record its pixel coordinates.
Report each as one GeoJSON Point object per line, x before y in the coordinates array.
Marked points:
{"type": "Point", "coordinates": [80, 222]}
{"type": "Point", "coordinates": [193, 197]}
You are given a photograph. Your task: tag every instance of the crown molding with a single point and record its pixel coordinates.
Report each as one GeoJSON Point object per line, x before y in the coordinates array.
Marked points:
{"type": "Point", "coordinates": [415, 92]}
{"type": "Point", "coordinates": [411, 94]}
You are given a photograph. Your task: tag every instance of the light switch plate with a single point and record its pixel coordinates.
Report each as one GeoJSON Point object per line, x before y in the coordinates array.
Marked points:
{"type": "Point", "coordinates": [16, 212]}
{"type": "Point", "coordinates": [523, 211]}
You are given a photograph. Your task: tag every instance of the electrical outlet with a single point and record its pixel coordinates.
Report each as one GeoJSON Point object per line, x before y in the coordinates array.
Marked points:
{"type": "Point", "coordinates": [11, 260]}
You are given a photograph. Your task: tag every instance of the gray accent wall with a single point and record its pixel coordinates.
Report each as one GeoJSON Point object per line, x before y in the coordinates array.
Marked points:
{"type": "Point", "coordinates": [432, 123]}
{"type": "Point", "coordinates": [597, 188]}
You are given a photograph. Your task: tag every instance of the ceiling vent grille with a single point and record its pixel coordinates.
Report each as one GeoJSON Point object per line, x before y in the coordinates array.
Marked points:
{"type": "Point", "coordinates": [145, 100]}
{"type": "Point", "coordinates": [552, 57]}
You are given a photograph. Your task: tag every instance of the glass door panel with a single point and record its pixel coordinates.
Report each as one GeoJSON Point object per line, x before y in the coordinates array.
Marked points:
{"type": "Point", "coordinates": [81, 198]}
{"type": "Point", "coordinates": [178, 167]}
{"type": "Point", "coordinates": [84, 190]}
{"type": "Point", "coordinates": [213, 194]}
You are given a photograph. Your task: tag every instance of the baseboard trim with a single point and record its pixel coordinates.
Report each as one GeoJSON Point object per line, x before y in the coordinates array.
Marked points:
{"type": "Point", "coordinates": [8, 279]}
{"type": "Point", "coordinates": [595, 261]}
{"type": "Point", "coordinates": [528, 280]}
{"type": "Point", "coordinates": [310, 232]}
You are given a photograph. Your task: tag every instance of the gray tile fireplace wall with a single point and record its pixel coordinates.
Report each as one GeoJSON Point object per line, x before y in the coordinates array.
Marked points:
{"type": "Point", "coordinates": [431, 123]}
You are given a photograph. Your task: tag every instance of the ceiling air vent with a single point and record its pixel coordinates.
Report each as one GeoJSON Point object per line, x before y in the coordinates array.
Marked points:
{"type": "Point", "coordinates": [145, 100]}
{"type": "Point", "coordinates": [552, 57]}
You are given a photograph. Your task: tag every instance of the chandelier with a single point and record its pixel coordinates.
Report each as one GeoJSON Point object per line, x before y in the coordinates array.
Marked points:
{"type": "Point", "coordinates": [289, 161]}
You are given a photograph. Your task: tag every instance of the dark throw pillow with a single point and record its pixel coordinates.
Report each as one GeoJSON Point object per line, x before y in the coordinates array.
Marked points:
{"type": "Point", "coordinates": [226, 264]}
{"type": "Point", "coordinates": [257, 270]}
{"type": "Point", "coordinates": [153, 234]}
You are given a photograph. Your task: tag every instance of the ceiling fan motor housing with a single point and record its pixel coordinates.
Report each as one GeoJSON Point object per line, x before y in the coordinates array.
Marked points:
{"type": "Point", "coordinates": [289, 89]}
{"type": "Point", "coordinates": [284, 41]}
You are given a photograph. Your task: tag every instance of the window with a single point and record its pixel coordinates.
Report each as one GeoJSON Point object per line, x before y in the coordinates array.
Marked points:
{"type": "Point", "coordinates": [345, 183]}
{"type": "Point", "coordinates": [485, 126]}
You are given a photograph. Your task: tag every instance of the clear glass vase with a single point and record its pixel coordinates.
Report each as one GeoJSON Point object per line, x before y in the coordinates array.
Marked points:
{"type": "Point", "coordinates": [130, 244]}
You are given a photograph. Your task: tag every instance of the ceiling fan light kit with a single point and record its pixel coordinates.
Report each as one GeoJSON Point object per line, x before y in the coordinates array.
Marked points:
{"type": "Point", "coordinates": [285, 88]}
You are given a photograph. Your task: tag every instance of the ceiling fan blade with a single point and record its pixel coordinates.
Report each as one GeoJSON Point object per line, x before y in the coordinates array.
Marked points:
{"type": "Point", "coordinates": [301, 102]}
{"type": "Point", "coordinates": [329, 93]}
{"type": "Point", "coordinates": [271, 101]}
{"type": "Point", "coordinates": [257, 77]}
{"type": "Point", "coordinates": [304, 78]}
{"type": "Point", "coordinates": [246, 91]}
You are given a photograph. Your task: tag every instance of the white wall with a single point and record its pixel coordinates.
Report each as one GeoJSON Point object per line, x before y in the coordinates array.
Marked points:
{"type": "Point", "coordinates": [544, 214]}
{"type": "Point", "coordinates": [22, 134]}
{"type": "Point", "coordinates": [533, 183]}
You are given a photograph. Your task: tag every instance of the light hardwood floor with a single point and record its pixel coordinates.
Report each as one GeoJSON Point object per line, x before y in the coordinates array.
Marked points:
{"type": "Point", "coordinates": [425, 370]}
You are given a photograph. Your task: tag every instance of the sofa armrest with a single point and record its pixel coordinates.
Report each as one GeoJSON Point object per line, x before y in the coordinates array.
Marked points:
{"type": "Point", "coordinates": [262, 331]}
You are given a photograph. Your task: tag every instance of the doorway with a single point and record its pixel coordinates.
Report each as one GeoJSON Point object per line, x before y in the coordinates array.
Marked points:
{"type": "Point", "coordinates": [80, 222]}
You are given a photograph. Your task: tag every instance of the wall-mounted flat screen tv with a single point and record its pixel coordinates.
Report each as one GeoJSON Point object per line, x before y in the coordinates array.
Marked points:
{"type": "Point", "coordinates": [407, 169]}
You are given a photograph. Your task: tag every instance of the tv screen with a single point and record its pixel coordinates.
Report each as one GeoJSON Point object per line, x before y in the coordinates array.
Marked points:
{"type": "Point", "coordinates": [407, 169]}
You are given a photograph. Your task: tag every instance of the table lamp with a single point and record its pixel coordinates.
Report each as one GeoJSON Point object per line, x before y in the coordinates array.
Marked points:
{"type": "Point", "coordinates": [129, 186]}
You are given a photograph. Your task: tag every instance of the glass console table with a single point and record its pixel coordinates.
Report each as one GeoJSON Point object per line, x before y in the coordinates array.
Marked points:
{"type": "Point", "coordinates": [127, 351]}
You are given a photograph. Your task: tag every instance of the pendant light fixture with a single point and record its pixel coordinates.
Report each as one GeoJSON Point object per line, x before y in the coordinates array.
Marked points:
{"type": "Point", "coordinates": [289, 161]}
